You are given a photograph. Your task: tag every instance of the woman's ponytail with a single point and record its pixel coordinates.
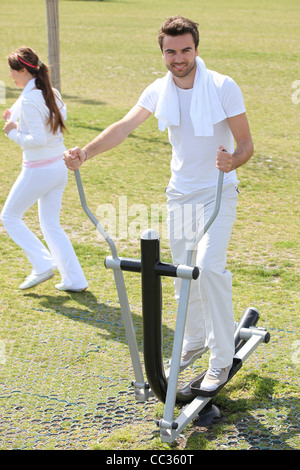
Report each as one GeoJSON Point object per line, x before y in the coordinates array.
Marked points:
{"type": "Point", "coordinates": [25, 57]}
{"type": "Point", "coordinates": [43, 83]}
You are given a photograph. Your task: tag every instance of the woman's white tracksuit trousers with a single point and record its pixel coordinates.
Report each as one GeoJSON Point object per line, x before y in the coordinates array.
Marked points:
{"type": "Point", "coordinates": [44, 185]}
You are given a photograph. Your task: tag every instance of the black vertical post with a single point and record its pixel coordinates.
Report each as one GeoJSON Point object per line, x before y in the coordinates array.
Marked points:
{"type": "Point", "coordinates": [152, 314]}
{"type": "Point", "coordinates": [249, 318]}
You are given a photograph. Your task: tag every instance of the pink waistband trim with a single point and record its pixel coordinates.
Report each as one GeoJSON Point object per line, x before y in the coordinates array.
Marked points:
{"type": "Point", "coordinates": [40, 162]}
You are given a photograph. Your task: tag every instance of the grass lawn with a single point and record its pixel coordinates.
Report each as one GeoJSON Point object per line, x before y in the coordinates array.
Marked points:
{"type": "Point", "coordinates": [65, 369]}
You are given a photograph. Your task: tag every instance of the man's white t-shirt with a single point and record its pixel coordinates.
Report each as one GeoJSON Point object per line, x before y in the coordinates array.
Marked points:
{"type": "Point", "coordinates": [193, 164]}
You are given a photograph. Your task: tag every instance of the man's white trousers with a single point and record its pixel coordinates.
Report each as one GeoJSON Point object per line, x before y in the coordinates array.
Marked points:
{"type": "Point", "coordinates": [210, 318]}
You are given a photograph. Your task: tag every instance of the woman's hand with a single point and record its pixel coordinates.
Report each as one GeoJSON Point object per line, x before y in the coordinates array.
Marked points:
{"type": "Point", "coordinates": [6, 115]}
{"type": "Point", "coordinates": [8, 126]}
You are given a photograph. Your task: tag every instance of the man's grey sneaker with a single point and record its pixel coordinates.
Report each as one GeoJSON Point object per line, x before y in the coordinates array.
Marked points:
{"type": "Point", "coordinates": [214, 378]}
{"type": "Point", "coordinates": [188, 357]}
{"type": "Point", "coordinates": [35, 279]}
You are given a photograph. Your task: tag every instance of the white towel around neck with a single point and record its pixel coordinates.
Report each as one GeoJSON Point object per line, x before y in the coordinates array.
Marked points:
{"type": "Point", "coordinates": [16, 107]}
{"type": "Point", "coordinates": [206, 109]}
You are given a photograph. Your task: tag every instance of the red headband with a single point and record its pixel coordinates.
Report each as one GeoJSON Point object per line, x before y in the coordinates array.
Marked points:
{"type": "Point", "coordinates": [26, 63]}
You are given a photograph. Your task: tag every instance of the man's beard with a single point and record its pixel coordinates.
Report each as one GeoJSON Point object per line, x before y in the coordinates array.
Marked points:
{"type": "Point", "coordinates": [178, 74]}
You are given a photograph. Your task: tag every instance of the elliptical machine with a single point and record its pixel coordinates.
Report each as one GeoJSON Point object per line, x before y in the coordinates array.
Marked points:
{"type": "Point", "coordinates": [164, 384]}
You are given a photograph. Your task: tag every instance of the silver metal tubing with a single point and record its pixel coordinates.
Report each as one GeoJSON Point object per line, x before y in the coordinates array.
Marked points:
{"type": "Point", "coordinates": [187, 272]}
{"type": "Point", "coordinates": [214, 214]}
{"type": "Point", "coordinates": [92, 217]}
{"type": "Point", "coordinates": [247, 333]}
{"type": "Point", "coordinates": [141, 392]}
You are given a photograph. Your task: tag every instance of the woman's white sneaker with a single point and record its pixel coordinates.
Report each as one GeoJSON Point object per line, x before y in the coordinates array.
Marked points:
{"type": "Point", "coordinates": [35, 279]}
{"type": "Point", "coordinates": [61, 286]}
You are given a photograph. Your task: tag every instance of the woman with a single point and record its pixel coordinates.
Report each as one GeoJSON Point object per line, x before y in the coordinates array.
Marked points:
{"type": "Point", "coordinates": [36, 123]}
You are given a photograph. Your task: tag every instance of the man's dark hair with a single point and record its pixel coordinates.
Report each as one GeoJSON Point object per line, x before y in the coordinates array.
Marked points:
{"type": "Point", "coordinates": [176, 26]}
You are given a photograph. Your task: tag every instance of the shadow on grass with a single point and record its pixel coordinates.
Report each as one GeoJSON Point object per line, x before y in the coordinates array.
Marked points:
{"type": "Point", "coordinates": [76, 99]}
{"type": "Point", "coordinates": [98, 315]}
{"type": "Point", "coordinates": [262, 422]}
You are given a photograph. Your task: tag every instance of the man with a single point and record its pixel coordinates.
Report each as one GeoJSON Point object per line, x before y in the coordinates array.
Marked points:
{"type": "Point", "coordinates": [203, 111]}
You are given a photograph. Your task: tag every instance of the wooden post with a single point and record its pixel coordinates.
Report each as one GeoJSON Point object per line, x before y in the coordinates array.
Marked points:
{"type": "Point", "coordinates": [53, 42]}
